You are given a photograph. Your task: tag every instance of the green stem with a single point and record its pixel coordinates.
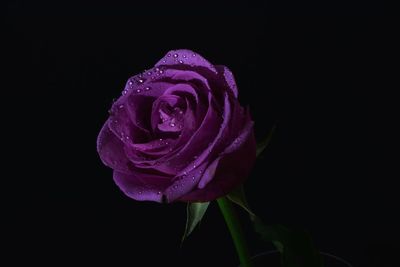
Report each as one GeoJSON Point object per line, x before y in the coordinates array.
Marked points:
{"type": "Point", "coordinates": [236, 231]}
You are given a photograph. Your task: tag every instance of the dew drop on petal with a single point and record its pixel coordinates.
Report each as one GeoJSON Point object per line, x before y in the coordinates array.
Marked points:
{"type": "Point", "coordinates": [138, 90]}
{"type": "Point", "coordinates": [175, 55]}
{"type": "Point", "coordinates": [180, 61]}
{"type": "Point", "coordinates": [168, 55]}
{"type": "Point", "coordinates": [140, 80]}
{"type": "Point", "coordinates": [161, 71]}
{"type": "Point", "coordinates": [147, 88]}
{"type": "Point", "coordinates": [121, 106]}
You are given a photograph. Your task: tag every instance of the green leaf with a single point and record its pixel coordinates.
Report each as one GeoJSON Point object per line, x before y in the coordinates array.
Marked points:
{"type": "Point", "coordinates": [238, 197]}
{"type": "Point", "coordinates": [264, 143]}
{"type": "Point", "coordinates": [296, 246]}
{"type": "Point", "coordinates": [195, 212]}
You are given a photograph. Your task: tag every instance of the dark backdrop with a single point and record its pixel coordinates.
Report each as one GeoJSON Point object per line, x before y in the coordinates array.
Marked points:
{"type": "Point", "coordinates": [315, 76]}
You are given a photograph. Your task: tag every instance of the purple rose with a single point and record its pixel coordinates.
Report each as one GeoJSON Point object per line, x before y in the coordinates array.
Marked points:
{"type": "Point", "coordinates": [178, 132]}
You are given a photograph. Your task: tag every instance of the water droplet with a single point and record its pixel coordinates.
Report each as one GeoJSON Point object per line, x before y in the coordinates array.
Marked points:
{"type": "Point", "coordinates": [149, 73]}
{"type": "Point", "coordinates": [160, 139]}
{"type": "Point", "coordinates": [161, 71]}
{"type": "Point", "coordinates": [193, 55]}
{"type": "Point", "coordinates": [168, 55]}
{"type": "Point", "coordinates": [127, 137]}
{"type": "Point", "coordinates": [184, 56]}
{"type": "Point", "coordinates": [140, 80]}
{"type": "Point", "coordinates": [147, 88]}
{"type": "Point", "coordinates": [138, 90]}
{"type": "Point", "coordinates": [184, 173]}
{"type": "Point", "coordinates": [164, 61]}
{"type": "Point", "coordinates": [175, 55]}
{"type": "Point", "coordinates": [195, 157]}
{"type": "Point", "coordinates": [175, 186]}
{"type": "Point", "coordinates": [193, 178]}
{"type": "Point", "coordinates": [180, 61]}
{"type": "Point", "coordinates": [124, 92]}
{"type": "Point", "coordinates": [140, 192]}
{"type": "Point", "coordinates": [121, 106]}
{"type": "Point", "coordinates": [130, 82]}
{"type": "Point", "coordinates": [181, 112]}
{"type": "Point", "coordinates": [172, 124]}
{"type": "Point", "coordinates": [157, 69]}
{"type": "Point", "coordinates": [159, 193]}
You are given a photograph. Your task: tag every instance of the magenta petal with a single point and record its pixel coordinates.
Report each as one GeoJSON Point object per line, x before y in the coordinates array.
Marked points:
{"type": "Point", "coordinates": [185, 182]}
{"type": "Point", "coordinates": [134, 188]}
{"type": "Point", "coordinates": [229, 78]}
{"type": "Point", "coordinates": [111, 150]}
{"type": "Point", "coordinates": [188, 76]}
{"type": "Point", "coordinates": [227, 175]}
{"type": "Point", "coordinates": [185, 57]}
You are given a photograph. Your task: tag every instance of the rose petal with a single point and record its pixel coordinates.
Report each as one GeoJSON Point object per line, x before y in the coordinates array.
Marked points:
{"type": "Point", "coordinates": [111, 150]}
{"type": "Point", "coordinates": [198, 142]}
{"type": "Point", "coordinates": [235, 145]}
{"type": "Point", "coordinates": [187, 58]}
{"type": "Point", "coordinates": [185, 182]}
{"type": "Point", "coordinates": [135, 188]}
{"type": "Point", "coordinates": [227, 175]}
{"type": "Point", "coordinates": [121, 123]}
{"type": "Point", "coordinates": [229, 78]}
{"type": "Point", "coordinates": [138, 108]}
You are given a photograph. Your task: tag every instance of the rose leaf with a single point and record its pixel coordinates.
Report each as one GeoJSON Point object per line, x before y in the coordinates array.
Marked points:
{"type": "Point", "coordinates": [195, 212]}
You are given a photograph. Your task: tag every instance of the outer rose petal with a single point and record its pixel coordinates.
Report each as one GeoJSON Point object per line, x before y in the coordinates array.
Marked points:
{"type": "Point", "coordinates": [186, 58]}
{"type": "Point", "coordinates": [229, 78]}
{"type": "Point", "coordinates": [134, 188]}
{"type": "Point", "coordinates": [228, 171]}
{"type": "Point", "coordinates": [111, 150]}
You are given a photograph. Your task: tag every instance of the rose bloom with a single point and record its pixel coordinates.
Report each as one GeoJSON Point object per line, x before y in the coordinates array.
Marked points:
{"type": "Point", "coordinates": [178, 132]}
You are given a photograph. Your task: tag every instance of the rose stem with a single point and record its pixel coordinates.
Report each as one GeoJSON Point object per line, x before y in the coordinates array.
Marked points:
{"type": "Point", "coordinates": [235, 230]}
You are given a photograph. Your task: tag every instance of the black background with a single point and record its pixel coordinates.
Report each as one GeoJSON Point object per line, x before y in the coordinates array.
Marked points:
{"type": "Point", "coordinates": [317, 77]}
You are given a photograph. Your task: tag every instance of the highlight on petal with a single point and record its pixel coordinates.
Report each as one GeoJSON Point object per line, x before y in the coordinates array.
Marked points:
{"type": "Point", "coordinates": [185, 57]}
{"type": "Point", "coordinates": [229, 78]}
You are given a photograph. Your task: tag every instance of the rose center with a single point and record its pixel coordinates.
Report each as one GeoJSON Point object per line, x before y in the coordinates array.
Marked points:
{"type": "Point", "coordinates": [171, 119]}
